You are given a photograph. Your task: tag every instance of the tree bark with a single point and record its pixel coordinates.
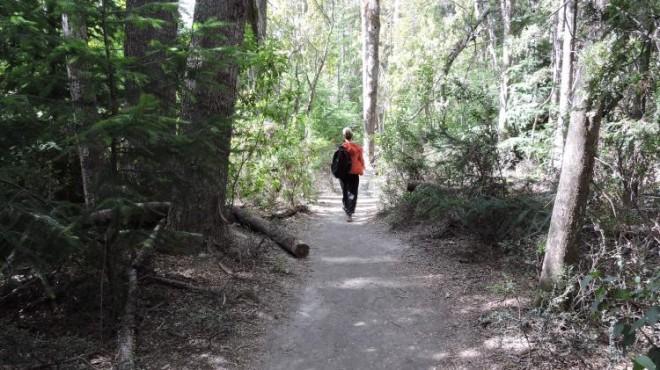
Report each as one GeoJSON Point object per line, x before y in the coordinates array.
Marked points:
{"type": "Point", "coordinates": [370, 36]}
{"type": "Point", "coordinates": [285, 240]}
{"type": "Point", "coordinates": [457, 49]}
{"type": "Point", "coordinates": [481, 7]}
{"type": "Point", "coordinates": [557, 37]}
{"type": "Point", "coordinates": [83, 99]}
{"type": "Point", "coordinates": [502, 121]}
{"type": "Point", "coordinates": [576, 174]}
{"type": "Point", "coordinates": [257, 15]}
{"type": "Point", "coordinates": [565, 94]}
{"type": "Point", "coordinates": [208, 107]}
{"type": "Point", "coordinates": [638, 106]}
{"type": "Point", "coordinates": [145, 58]}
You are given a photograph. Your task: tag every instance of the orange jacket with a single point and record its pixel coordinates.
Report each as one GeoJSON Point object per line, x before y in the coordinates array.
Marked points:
{"type": "Point", "coordinates": [357, 162]}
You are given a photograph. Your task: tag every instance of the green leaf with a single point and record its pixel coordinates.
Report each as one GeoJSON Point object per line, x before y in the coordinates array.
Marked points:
{"type": "Point", "coordinates": [618, 328]}
{"type": "Point", "coordinates": [652, 315]}
{"type": "Point", "coordinates": [585, 281]}
{"type": "Point", "coordinates": [654, 355]}
{"type": "Point", "coordinates": [622, 294]}
{"type": "Point", "coordinates": [643, 362]}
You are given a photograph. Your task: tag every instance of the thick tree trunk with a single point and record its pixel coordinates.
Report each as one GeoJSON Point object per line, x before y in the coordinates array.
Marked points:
{"type": "Point", "coordinates": [257, 15]}
{"type": "Point", "coordinates": [208, 107]}
{"type": "Point", "coordinates": [502, 121]}
{"type": "Point", "coordinates": [370, 36]}
{"type": "Point", "coordinates": [568, 58]}
{"type": "Point", "coordinates": [576, 174]}
{"type": "Point", "coordinates": [83, 100]}
{"type": "Point", "coordinates": [145, 58]}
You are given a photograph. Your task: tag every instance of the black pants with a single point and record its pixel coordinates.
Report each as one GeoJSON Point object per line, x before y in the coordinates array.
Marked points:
{"type": "Point", "coordinates": [349, 191]}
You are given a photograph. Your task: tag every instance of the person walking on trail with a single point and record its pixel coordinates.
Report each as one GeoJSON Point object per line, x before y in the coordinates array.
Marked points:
{"type": "Point", "coordinates": [349, 183]}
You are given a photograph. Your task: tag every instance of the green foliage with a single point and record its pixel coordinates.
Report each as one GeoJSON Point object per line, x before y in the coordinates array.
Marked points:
{"type": "Point", "coordinates": [492, 219]}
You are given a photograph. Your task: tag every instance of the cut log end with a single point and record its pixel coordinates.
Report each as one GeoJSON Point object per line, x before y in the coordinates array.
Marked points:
{"type": "Point", "coordinates": [300, 249]}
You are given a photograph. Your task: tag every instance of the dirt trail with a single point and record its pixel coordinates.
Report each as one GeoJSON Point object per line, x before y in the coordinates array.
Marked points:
{"type": "Point", "coordinates": [365, 304]}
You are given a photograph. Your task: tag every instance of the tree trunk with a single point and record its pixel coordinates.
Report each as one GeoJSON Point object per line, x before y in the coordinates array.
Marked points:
{"type": "Point", "coordinates": [576, 174]}
{"type": "Point", "coordinates": [146, 59]}
{"type": "Point", "coordinates": [638, 106]}
{"type": "Point", "coordinates": [502, 121]}
{"type": "Point", "coordinates": [568, 57]}
{"type": "Point", "coordinates": [557, 37]}
{"type": "Point", "coordinates": [370, 35]}
{"type": "Point", "coordinates": [457, 49]}
{"type": "Point", "coordinates": [257, 15]}
{"type": "Point", "coordinates": [83, 100]}
{"type": "Point", "coordinates": [208, 108]}
{"type": "Point", "coordinates": [481, 7]}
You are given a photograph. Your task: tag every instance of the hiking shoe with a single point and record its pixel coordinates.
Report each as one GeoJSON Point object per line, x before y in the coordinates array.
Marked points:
{"type": "Point", "coordinates": [349, 218]}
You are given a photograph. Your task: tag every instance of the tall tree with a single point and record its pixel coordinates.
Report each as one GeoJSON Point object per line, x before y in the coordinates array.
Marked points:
{"type": "Point", "coordinates": [592, 100]}
{"type": "Point", "coordinates": [481, 7]}
{"type": "Point", "coordinates": [566, 80]}
{"type": "Point", "coordinates": [557, 37]}
{"type": "Point", "coordinates": [370, 64]}
{"type": "Point", "coordinates": [257, 15]}
{"type": "Point", "coordinates": [502, 121]}
{"type": "Point", "coordinates": [83, 98]}
{"type": "Point", "coordinates": [144, 45]}
{"type": "Point", "coordinates": [208, 108]}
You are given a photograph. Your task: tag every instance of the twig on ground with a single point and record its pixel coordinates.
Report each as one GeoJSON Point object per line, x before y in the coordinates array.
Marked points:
{"type": "Point", "coordinates": [183, 285]}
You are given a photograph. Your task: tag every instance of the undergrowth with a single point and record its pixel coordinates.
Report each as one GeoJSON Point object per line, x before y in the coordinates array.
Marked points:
{"type": "Point", "coordinates": [608, 303]}
{"type": "Point", "coordinates": [494, 219]}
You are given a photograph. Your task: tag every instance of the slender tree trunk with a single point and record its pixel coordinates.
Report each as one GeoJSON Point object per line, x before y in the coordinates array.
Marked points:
{"type": "Point", "coordinates": [638, 106]}
{"type": "Point", "coordinates": [208, 107]}
{"type": "Point", "coordinates": [502, 121]}
{"type": "Point", "coordinates": [481, 7]}
{"type": "Point", "coordinates": [145, 58]}
{"type": "Point", "coordinates": [370, 35]}
{"type": "Point", "coordinates": [557, 37]}
{"type": "Point", "coordinates": [317, 73]}
{"type": "Point", "coordinates": [568, 58]}
{"type": "Point", "coordinates": [576, 173]}
{"type": "Point", "coordinates": [388, 47]}
{"type": "Point", "coordinates": [83, 99]}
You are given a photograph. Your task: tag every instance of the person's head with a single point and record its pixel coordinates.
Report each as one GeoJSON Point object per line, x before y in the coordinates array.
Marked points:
{"type": "Point", "coordinates": [348, 133]}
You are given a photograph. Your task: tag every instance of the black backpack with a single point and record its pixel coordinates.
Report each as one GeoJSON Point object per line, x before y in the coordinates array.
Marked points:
{"type": "Point", "coordinates": [341, 163]}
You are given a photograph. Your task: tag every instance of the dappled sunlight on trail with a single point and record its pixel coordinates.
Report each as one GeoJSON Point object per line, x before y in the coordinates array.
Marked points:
{"type": "Point", "coordinates": [365, 307]}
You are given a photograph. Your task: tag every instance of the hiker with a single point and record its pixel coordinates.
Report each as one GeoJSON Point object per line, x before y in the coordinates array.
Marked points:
{"type": "Point", "coordinates": [349, 183]}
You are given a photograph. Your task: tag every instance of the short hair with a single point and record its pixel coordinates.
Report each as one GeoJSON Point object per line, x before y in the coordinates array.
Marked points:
{"type": "Point", "coordinates": [347, 132]}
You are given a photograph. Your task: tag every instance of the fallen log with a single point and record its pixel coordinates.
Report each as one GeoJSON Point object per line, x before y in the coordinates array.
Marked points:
{"type": "Point", "coordinates": [181, 243]}
{"type": "Point", "coordinates": [126, 334]}
{"type": "Point", "coordinates": [148, 213]}
{"type": "Point", "coordinates": [413, 185]}
{"type": "Point", "coordinates": [285, 240]}
{"type": "Point", "coordinates": [290, 212]}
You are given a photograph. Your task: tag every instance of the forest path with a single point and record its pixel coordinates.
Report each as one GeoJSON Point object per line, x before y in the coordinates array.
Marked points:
{"type": "Point", "coordinates": [364, 305]}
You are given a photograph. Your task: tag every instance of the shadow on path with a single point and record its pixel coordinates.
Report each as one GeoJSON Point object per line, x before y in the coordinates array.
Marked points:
{"type": "Point", "coordinates": [362, 305]}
